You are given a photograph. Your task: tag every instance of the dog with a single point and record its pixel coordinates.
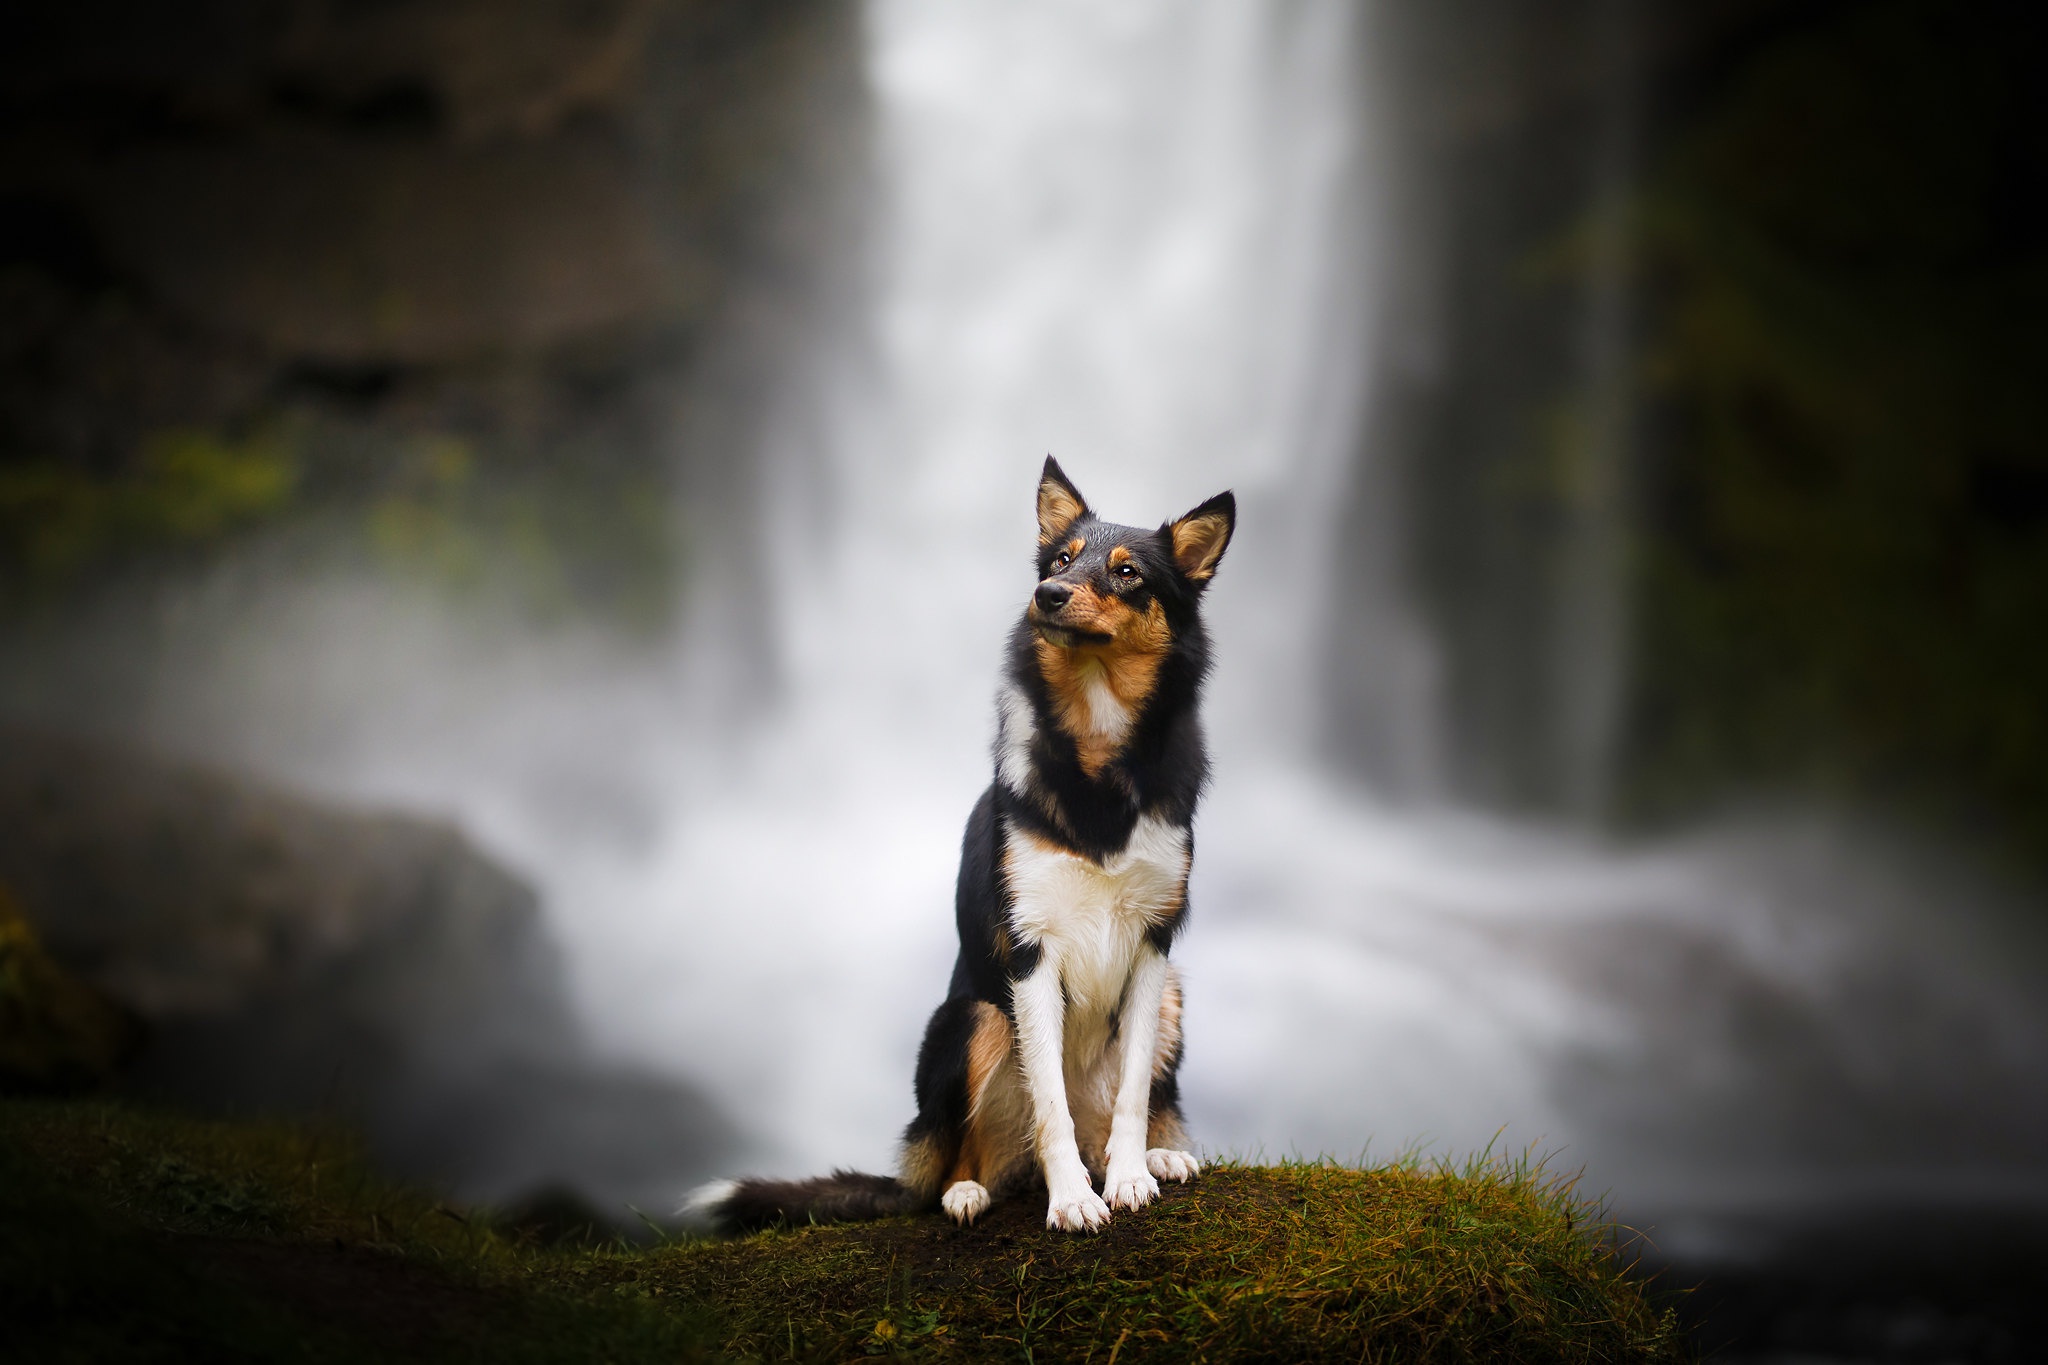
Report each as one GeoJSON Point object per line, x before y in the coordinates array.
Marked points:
{"type": "Point", "coordinates": [1056, 1053]}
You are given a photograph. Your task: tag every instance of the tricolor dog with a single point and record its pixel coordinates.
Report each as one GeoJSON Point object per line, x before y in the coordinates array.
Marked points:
{"type": "Point", "coordinates": [1055, 1054]}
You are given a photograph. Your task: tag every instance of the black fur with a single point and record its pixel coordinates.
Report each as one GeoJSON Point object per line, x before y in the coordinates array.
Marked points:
{"type": "Point", "coordinates": [942, 1078]}
{"type": "Point", "coordinates": [841, 1197]}
{"type": "Point", "coordinates": [990, 956]}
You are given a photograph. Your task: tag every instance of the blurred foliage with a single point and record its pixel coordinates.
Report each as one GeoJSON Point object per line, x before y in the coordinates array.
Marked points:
{"type": "Point", "coordinates": [554, 536]}
{"type": "Point", "coordinates": [56, 1032]}
{"type": "Point", "coordinates": [184, 489]}
{"type": "Point", "coordinates": [1843, 578]}
{"type": "Point", "coordinates": [553, 532]}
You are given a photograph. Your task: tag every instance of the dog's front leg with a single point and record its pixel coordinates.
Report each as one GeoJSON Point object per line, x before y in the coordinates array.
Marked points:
{"type": "Point", "coordinates": [1127, 1183]}
{"type": "Point", "coordinates": [1040, 1006]}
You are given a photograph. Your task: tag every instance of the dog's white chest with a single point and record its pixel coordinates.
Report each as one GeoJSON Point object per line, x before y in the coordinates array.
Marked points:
{"type": "Point", "coordinates": [1107, 716]}
{"type": "Point", "coordinates": [1090, 917]}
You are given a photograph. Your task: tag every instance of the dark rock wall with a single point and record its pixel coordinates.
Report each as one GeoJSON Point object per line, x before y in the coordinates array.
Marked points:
{"type": "Point", "coordinates": [1844, 556]}
{"type": "Point", "coordinates": [442, 271]}
{"type": "Point", "coordinates": [1709, 390]}
{"type": "Point", "coordinates": [1512, 138]}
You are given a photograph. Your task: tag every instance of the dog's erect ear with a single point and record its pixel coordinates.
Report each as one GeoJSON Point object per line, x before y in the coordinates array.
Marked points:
{"type": "Point", "coordinates": [1060, 504]}
{"type": "Point", "coordinates": [1201, 537]}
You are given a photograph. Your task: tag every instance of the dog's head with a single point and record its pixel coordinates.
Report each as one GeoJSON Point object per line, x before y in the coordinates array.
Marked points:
{"type": "Point", "coordinates": [1120, 589]}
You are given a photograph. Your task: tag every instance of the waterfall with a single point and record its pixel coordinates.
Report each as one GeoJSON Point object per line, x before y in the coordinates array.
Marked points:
{"type": "Point", "coordinates": [1115, 236]}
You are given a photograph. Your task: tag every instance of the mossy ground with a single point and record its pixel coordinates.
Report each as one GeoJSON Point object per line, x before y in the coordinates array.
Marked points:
{"type": "Point", "coordinates": [141, 1236]}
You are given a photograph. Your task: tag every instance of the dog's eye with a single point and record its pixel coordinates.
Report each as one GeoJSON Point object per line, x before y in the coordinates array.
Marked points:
{"type": "Point", "coordinates": [1127, 572]}
{"type": "Point", "coordinates": [1061, 560]}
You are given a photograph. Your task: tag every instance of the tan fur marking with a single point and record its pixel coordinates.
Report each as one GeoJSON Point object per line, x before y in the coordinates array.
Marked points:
{"type": "Point", "coordinates": [1169, 1029]}
{"type": "Point", "coordinates": [1075, 546]}
{"type": "Point", "coordinates": [1165, 1131]}
{"type": "Point", "coordinates": [1002, 943]}
{"type": "Point", "coordinates": [1057, 510]}
{"type": "Point", "coordinates": [1043, 845]}
{"type": "Point", "coordinates": [988, 1047]}
{"type": "Point", "coordinates": [1128, 662]}
{"type": "Point", "coordinates": [920, 1166]}
{"type": "Point", "coordinates": [1121, 555]}
{"type": "Point", "coordinates": [1198, 543]}
{"type": "Point", "coordinates": [967, 1166]}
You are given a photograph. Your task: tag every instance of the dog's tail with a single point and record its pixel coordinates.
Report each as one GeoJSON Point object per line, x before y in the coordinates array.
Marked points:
{"type": "Point", "coordinates": [733, 1206]}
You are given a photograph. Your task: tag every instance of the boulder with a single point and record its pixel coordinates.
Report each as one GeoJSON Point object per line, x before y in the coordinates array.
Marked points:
{"type": "Point", "coordinates": [295, 957]}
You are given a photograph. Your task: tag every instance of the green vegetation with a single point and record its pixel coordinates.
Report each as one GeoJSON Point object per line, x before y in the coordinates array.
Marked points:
{"type": "Point", "coordinates": [554, 532]}
{"type": "Point", "coordinates": [1297, 1262]}
{"type": "Point", "coordinates": [186, 488]}
{"type": "Point", "coordinates": [56, 1032]}
{"type": "Point", "coordinates": [575, 532]}
{"type": "Point", "coordinates": [136, 1235]}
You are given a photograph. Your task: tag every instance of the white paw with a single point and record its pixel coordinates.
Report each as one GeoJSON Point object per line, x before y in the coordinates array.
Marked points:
{"type": "Point", "coordinates": [1076, 1209]}
{"type": "Point", "coordinates": [1129, 1188]}
{"type": "Point", "coordinates": [1168, 1164]}
{"type": "Point", "coordinates": [965, 1201]}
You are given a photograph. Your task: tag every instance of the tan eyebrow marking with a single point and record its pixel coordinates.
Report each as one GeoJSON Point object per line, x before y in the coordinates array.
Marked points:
{"type": "Point", "coordinates": [1075, 546]}
{"type": "Point", "coordinates": [1120, 555]}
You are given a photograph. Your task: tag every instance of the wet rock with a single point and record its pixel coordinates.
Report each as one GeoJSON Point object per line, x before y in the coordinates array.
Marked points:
{"type": "Point", "coordinates": [293, 957]}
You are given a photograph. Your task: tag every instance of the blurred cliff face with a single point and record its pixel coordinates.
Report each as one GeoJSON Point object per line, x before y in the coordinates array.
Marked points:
{"type": "Point", "coordinates": [1709, 395]}
{"type": "Point", "coordinates": [434, 274]}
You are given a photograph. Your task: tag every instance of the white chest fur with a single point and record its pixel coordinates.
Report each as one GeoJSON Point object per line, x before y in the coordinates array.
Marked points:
{"type": "Point", "coordinates": [1088, 918]}
{"type": "Point", "coordinates": [1107, 716]}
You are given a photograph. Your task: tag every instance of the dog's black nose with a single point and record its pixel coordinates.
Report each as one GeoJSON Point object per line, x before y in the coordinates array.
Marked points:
{"type": "Point", "coordinates": [1051, 597]}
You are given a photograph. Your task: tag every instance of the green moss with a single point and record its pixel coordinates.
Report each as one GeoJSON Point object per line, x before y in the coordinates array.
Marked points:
{"type": "Point", "coordinates": [128, 1235]}
{"type": "Point", "coordinates": [56, 1032]}
{"type": "Point", "coordinates": [1297, 1262]}
{"type": "Point", "coordinates": [555, 537]}
{"type": "Point", "coordinates": [550, 531]}
{"type": "Point", "coordinates": [185, 488]}
{"type": "Point", "coordinates": [246, 1235]}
